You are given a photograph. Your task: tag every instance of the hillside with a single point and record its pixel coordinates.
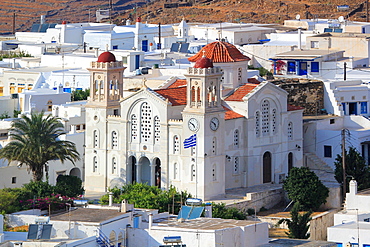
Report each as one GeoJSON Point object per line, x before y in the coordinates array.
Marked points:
{"type": "Point", "coordinates": [28, 12]}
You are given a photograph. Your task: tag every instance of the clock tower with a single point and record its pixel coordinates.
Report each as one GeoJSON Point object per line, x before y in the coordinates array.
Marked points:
{"type": "Point", "coordinates": [204, 116]}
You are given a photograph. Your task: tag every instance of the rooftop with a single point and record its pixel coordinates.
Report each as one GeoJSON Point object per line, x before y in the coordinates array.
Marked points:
{"type": "Point", "coordinates": [87, 215]}
{"type": "Point", "coordinates": [220, 52]}
{"type": "Point", "coordinates": [297, 242]}
{"type": "Point", "coordinates": [206, 223]}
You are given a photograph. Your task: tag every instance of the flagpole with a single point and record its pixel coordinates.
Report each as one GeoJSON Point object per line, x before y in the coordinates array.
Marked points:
{"type": "Point", "coordinates": [196, 169]}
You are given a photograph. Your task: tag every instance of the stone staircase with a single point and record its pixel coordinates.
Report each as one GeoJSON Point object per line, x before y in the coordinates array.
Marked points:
{"type": "Point", "coordinates": [320, 168]}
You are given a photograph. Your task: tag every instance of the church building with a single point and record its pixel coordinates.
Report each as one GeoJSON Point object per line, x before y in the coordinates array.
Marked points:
{"type": "Point", "coordinates": [211, 132]}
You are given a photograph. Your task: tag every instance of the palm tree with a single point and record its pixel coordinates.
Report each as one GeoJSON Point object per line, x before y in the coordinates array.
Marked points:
{"type": "Point", "coordinates": [34, 142]}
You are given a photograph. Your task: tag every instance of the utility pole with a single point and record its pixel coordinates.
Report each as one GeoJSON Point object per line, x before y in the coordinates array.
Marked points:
{"type": "Point", "coordinates": [13, 31]}
{"type": "Point", "coordinates": [345, 71]}
{"type": "Point", "coordinates": [344, 163]}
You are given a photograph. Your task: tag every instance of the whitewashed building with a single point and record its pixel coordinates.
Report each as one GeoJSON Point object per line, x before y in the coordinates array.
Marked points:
{"type": "Point", "coordinates": [249, 137]}
{"type": "Point", "coordinates": [352, 224]}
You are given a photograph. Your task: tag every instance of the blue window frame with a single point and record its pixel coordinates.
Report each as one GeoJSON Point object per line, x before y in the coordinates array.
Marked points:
{"type": "Point", "coordinates": [315, 67]}
{"type": "Point", "coordinates": [327, 152]}
{"type": "Point", "coordinates": [339, 245]}
{"type": "Point", "coordinates": [363, 107]}
{"type": "Point", "coordinates": [344, 108]}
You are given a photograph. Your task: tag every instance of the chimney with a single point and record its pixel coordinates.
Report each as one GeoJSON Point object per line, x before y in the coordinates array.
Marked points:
{"type": "Point", "coordinates": [150, 221]}
{"type": "Point", "coordinates": [42, 20]}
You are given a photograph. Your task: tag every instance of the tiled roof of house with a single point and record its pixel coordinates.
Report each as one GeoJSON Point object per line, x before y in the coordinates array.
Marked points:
{"type": "Point", "coordinates": [177, 96]}
{"type": "Point", "coordinates": [240, 92]}
{"type": "Point", "coordinates": [178, 83]}
{"type": "Point", "coordinates": [230, 114]}
{"type": "Point", "coordinates": [220, 52]}
{"type": "Point", "coordinates": [253, 80]}
{"type": "Point", "coordinates": [294, 108]}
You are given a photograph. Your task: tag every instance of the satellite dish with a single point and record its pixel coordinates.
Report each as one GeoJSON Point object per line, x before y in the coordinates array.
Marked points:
{"type": "Point", "coordinates": [341, 19]}
{"type": "Point", "coordinates": [298, 17]}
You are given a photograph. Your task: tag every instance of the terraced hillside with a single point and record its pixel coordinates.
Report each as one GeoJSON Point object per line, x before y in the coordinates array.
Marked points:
{"type": "Point", "coordinates": [28, 12]}
{"type": "Point", "coordinates": [260, 11]}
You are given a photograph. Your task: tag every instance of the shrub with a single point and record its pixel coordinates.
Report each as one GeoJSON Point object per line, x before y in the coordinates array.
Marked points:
{"type": "Point", "coordinates": [70, 186]}
{"type": "Point", "coordinates": [303, 186]}
{"type": "Point", "coordinates": [146, 196]}
{"type": "Point", "coordinates": [298, 224]}
{"type": "Point", "coordinates": [219, 210]}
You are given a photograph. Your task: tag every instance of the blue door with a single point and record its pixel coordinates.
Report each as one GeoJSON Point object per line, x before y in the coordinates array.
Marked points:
{"type": "Point", "coordinates": [352, 108]}
{"type": "Point", "coordinates": [291, 67]}
{"type": "Point", "coordinates": [144, 45]}
{"type": "Point", "coordinates": [137, 61]}
{"type": "Point", "coordinates": [303, 68]}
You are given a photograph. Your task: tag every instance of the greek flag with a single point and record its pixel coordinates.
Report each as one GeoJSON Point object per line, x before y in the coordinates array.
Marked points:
{"type": "Point", "coordinates": [191, 141]}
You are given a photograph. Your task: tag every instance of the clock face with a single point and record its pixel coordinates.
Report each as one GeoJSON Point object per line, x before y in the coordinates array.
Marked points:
{"type": "Point", "coordinates": [193, 124]}
{"type": "Point", "coordinates": [214, 123]}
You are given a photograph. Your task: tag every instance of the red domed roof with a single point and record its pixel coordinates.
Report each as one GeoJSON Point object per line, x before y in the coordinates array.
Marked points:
{"type": "Point", "coordinates": [220, 52]}
{"type": "Point", "coordinates": [204, 62]}
{"type": "Point", "coordinates": [106, 57]}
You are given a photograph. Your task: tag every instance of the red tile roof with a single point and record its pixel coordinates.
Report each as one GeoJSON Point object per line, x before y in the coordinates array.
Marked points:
{"type": "Point", "coordinates": [178, 83]}
{"type": "Point", "coordinates": [253, 80]}
{"type": "Point", "coordinates": [220, 52]}
{"type": "Point", "coordinates": [240, 92]}
{"type": "Point", "coordinates": [230, 114]}
{"type": "Point", "coordinates": [177, 96]}
{"type": "Point", "coordinates": [294, 108]}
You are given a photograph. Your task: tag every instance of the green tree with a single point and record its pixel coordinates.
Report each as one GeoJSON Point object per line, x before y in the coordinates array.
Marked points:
{"type": "Point", "coordinates": [68, 185]}
{"type": "Point", "coordinates": [35, 141]}
{"type": "Point", "coordinates": [298, 225]}
{"type": "Point", "coordinates": [355, 167]}
{"type": "Point", "coordinates": [146, 196]}
{"type": "Point", "coordinates": [80, 94]}
{"type": "Point", "coordinates": [8, 202]}
{"type": "Point", "coordinates": [4, 115]}
{"type": "Point", "coordinates": [303, 186]}
{"type": "Point", "coordinates": [219, 210]}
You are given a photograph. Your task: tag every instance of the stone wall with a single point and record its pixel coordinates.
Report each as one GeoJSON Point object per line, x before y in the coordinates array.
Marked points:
{"type": "Point", "coordinates": [257, 200]}
{"type": "Point", "coordinates": [304, 92]}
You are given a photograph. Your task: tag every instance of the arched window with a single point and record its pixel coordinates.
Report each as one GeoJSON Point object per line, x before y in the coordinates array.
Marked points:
{"type": "Point", "coordinates": [176, 144]}
{"type": "Point", "coordinates": [258, 130]}
{"type": "Point", "coordinates": [114, 165]}
{"type": "Point", "coordinates": [236, 165]}
{"type": "Point", "coordinates": [157, 129]}
{"type": "Point", "coordinates": [290, 161]}
{"type": "Point", "coordinates": [214, 172]}
{"type": "Point", "coordinates": [146, 122]}
{"type": "Point", "coordinates": [112, 238]}
{"type": "Point", "coordinates": [192, 172]}
{"type": "Point", "coordinates": [192, 94]}
{"type": "Point", "coordinates": [236, 138]}
{"type": "Point", "coordinates": [50, 105]}
{"type": "Point", "coordinates": [214, 146]}
{"type": "Point", "coordinates": [274, 121]}
{"type": "Point", "coordinates": [95, 164]}
{"type": "Point", "coordinates": [265, 117]}
{"type": "Point", "coordinates": [239, 75]}
{"type": "Point", "coordinates": [198, 96]}
{"type": "Point", "coordinates": [133, 127]}
{"type": "Point", "coordinates": [290, 131]}
{"type": "Point", "coordinates": [175, 171]}
{"type": "Point", "coordinates": [114, 140]}
{"type": "Point", "coordinates": [267, 167]}
{"type": "Point", "coordinates": [96, 139]}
